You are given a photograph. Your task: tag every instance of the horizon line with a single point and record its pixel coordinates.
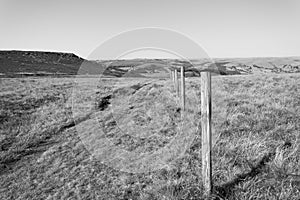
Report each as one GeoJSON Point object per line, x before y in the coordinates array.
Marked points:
{"type": "Point", "coordinates": [69, 52]}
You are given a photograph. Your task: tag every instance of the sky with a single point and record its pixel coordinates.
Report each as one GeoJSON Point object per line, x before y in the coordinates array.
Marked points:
{"type": "Point", "coordinates": [231, 28]}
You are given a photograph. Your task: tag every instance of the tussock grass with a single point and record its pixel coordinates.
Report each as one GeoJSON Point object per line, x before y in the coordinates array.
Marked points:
{"type": "Point", "coordinates": [256, 138]}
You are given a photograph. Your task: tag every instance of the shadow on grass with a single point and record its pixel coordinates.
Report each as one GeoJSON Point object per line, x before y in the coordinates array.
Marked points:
{"type": "Point", "coordinates": [226, 190]}
{"type": "Point", "coordinates": [9, 157]}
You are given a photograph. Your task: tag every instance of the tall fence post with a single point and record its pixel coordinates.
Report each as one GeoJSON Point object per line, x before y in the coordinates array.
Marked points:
{"type": "Point", "coordinates": [176, 82]}
{"type": "Point", "coordinates": [206, 131]}
{"type": "Point", "coordinates": [172, 76]}
{"type": "Point", "coordinates": [182, 88]}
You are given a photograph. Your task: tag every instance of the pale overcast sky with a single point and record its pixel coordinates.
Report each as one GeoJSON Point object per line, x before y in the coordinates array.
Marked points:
{"type": "Point", "coordinates": [224, 28]}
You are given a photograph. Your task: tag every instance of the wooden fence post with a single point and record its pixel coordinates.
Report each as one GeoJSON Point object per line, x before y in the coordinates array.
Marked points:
{"type": "Point", "coordinates": [176, 82]}
{"type": "Point", "coordinates": [182, 88]}
{"type": "Point", "coordinates": [173, 79]}
{"type": "Point", "coordinates": [206, 131]}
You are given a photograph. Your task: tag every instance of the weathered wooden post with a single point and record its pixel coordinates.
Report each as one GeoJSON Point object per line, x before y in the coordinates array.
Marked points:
{"type": "Point", "coordinates": [182, 88]}
{"type": "Point", "coordinates": [173, 74]}
{"type": "Point", "coordinates": [206, 131]}
{"type": "Point", "coordinates": [176, 83]}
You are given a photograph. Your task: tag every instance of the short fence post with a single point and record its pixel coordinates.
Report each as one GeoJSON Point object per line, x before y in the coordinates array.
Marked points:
{"type": "Point", "coordinates": [182, 88]}
{"type": "Point", "coordinates": [206, 131]}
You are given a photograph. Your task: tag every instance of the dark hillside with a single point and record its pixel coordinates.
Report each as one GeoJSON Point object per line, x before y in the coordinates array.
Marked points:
{"type": "Point", "coordinates": [34, 62]}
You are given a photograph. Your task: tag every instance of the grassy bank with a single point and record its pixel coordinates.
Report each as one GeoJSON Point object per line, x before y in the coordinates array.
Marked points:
{"type": "Point", "coordinates": [52, 149]}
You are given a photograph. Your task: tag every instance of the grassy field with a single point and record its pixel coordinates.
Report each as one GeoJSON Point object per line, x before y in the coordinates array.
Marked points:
{"type": "Point", "coordinates": [126, 138]}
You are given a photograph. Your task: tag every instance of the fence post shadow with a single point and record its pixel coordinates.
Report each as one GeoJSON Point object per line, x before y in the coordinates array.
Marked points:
{"type": "Point", "coordinates": [225, 190]}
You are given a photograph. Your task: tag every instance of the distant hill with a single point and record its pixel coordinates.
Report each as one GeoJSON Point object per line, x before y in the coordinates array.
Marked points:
{"type": "Point", "coordinates": [261, 65]}
{"type": "Point", "coordinates": [36, 63]}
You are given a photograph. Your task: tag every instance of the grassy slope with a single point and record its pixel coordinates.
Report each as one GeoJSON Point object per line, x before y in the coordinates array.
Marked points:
{"type": "Point", "coordinates": [256, 138]}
